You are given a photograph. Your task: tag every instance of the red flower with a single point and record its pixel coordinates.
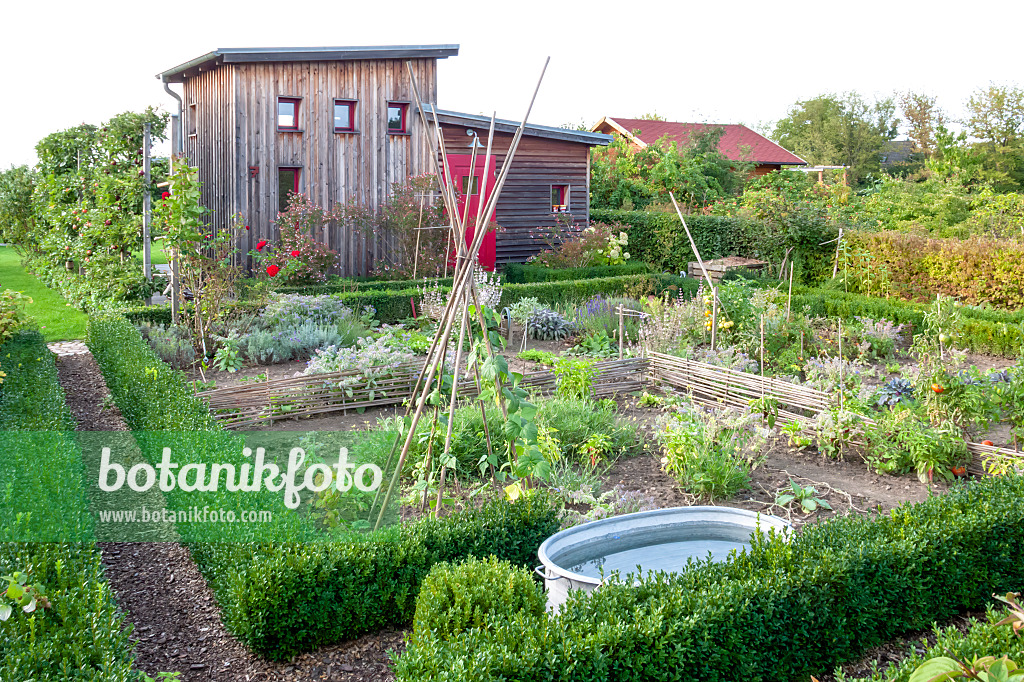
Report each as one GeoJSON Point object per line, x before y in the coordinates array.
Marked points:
{"type": "Point", "coordinates": [273, 270]}
{"type": "Point", "coordinates": [261, 244]}
{"type": "Point", "coordinates": [295, 254]}
{"type": "Point", "coordinates": [247, 227]}
{"type": "Point", "coordinates": [165, 195]}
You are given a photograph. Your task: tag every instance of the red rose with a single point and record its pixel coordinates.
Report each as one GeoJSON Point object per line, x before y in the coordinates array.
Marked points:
{"type": "Point", "coordinates": [295, 254]}
{"type": "Point", "coordinates": [165, 195]}
{"type": "Point", "coordinates": [261, 244]}
{"type": "Point", "coordinates": [247, 227]}
{"type": "Point", "coordinates": [273, 270]}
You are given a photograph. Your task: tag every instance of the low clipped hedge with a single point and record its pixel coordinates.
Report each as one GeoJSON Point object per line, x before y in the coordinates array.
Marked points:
{"type": "Point", "coordinates": [393, 305]}
{"type": "Point", "coordinates": [82, 637]}
{"type": "Point", "coordinates": [287, 597]}
{"type": "Point", "coordinates": [781, 611]}
{"type": "Point", "coordinates": [284, 599]}
{"type": "Point", "coordinates": [981, 330]}
{"type": "Point", "coordinates": [522, 273]}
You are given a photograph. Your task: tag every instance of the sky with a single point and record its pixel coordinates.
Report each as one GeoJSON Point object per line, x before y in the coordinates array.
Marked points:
{"type": "Point", "coordinates": [67, 63]}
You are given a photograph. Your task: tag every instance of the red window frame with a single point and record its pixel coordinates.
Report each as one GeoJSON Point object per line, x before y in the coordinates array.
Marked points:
{"type": "Point", "coordinates": [561, 193]}
{"type": "Point", "coordinates": [282, 199]}
{"type": "Point", "coordinates": [295, 102]}
{"type": "Point", "coordinates": [403, 108]}
{"type": "Point", "coordinates": [351, 104]}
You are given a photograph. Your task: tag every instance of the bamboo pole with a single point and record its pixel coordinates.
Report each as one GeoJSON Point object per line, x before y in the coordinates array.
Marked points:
{"type": "Point", "coordinates": [460, 283]}
{"type": "Point", "coordinates": [451, 411]}
{"type": "Point", "coordinates": [714, 318]}
{"type": "Point", "coordinates": [622, 327]}
{"type": "Point", "coordinates": [789, 300]}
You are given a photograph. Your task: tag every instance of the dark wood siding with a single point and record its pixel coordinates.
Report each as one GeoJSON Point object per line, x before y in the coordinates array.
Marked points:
{"type": "Point", "coordinates": [524, 209]}
{"type": "Point", "coordinates": [209, 145]}
{"type": "Point", "coordinates": [237, 129]}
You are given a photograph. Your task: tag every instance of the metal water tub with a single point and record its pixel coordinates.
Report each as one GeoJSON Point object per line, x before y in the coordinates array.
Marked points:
{"type": "Point", "coordinates": [660, 540]}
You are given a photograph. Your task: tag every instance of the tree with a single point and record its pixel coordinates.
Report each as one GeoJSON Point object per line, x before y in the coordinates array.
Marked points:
{"type": "Point", "coordinates": [996, 115]}
{"type": "Point", "coordinates": [696, 172]}
{"type": "Point", "coordinates": [922, 115]}
{"type": "Point", "coordinates": [996, 120]}
{"type": "Point", "coordinates": [836, 130]}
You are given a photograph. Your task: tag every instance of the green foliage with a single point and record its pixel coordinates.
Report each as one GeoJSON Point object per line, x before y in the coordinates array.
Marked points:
{"type": "Point", "coordinates": [47, 533]}
{"type": "Point", "coordinates": [17, 214]}
{"type": "Point", "coordinates": [287, 598]}
{"type": "Point", "coordinates": [542, 356]}
{"type": "Point", "coordinates": [574, 378]}
{"type": "Point", "coordinates": [695, 171]}
{"type": "Point", "coordinates": [547, 325]}
{"type": "Point", "coordinates": [804, 495]}
{"type": "Point", "coordinates": [708, 454]}
{"type": "Point", "coordinates": [782, 610]}
{"type": "Point", "coordinates": [839, 130]}
{"type": "Point", "coordinates": [975, 271]}
{"type": "Point", "coordinates": [520, 273]}
{"type": "Point", "coordinates": [87, 206]}
{"type": "Point", "coordinates": [983, 638]}
{"type": "Point", "coordinates": [455, 598]}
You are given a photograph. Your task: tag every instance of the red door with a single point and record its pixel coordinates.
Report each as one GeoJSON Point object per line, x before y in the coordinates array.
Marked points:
{"type": "Point", "coordinates": [471, 191]}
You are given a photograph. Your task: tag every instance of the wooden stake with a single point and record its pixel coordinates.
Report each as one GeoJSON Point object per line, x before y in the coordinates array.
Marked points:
{"type": "Point", "coordinates": [789, 301]}
{"type": "Point", "coordinates": [622, 328]}
{"type": "Point", "coordinates": [416, 254]}
{"type": "Point", "coordinates": [714, 318]}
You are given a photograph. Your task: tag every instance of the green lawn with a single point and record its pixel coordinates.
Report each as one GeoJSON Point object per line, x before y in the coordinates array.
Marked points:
{"type": "Point", "coordinates": [57, 320]}
{"type": "Point", "coordinates": [156, 253]}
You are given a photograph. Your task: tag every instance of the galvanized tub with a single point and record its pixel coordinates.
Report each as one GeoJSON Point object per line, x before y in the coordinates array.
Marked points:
{"type": "Point", "coordinates": [659, 540]}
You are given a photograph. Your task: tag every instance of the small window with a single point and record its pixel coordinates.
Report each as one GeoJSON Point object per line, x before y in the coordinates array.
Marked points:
{"type": "Point", "coordinates": [559, 198]}
{"type": "Point", "coordinates": [288, 113]}
{"type": "Point", "coordinates": [344, 116]}
{"type": "Point", "coordinates": [397, 123]}
{"type": "Point", "coordinates": [287, 184]}
{"type": "Point", "coordinates": [468, 187]}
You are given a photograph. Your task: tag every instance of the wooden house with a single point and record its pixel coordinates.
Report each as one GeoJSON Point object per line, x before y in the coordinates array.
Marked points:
{"type": "Point", "coordinates": [548, 185]}
{"type": "Point", "coordinates": [340, 124]}
{"type": "Point", "coordinates": [738, 142]}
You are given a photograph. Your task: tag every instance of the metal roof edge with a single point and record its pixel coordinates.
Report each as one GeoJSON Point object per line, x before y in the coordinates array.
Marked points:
{"type": "Point", "coordinates": [298, 54]}
{"type": "Point", "coordinates": [508, 126]}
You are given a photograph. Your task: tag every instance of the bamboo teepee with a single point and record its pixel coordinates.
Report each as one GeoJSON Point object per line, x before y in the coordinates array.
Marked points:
{"type": "Point", "coordinates": [463, 292]}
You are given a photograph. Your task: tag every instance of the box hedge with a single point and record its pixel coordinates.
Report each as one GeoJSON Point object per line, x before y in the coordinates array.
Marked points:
{"type": "Point", "coordinates": [521, 273]}
{"type": "Point", "coordinates": [781, 611]}
{"type": "Point", "coordinates": [286, 597]}
{"type": "Point", "coordinates": [83, 636]}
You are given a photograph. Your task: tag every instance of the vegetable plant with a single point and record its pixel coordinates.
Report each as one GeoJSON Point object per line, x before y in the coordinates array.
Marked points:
{"type": "Point", "coordinates": [804, 495]}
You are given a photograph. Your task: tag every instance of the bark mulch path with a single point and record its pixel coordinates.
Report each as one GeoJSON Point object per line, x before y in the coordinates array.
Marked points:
{"type": "Point", "coordinates": [174, 614]}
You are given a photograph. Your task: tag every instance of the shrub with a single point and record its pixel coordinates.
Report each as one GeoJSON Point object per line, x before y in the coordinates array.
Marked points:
{"type": "Point", "coordinates": [977, 270]}
{"type": "Point", "coordinates": [547, 325]}
{"type": "Point", "coordinates": [522, 273]}
{"type": "Point", "coordinates": [574, 378]}
{"type": "Point", "coordinates": [779, 611]}
{"type": "Point", "coordinates": [171, 344]}
{"type": "Point", "coordinates": [709, 454]}
{"type": "Point", "coordinates": [46, 530]}
{"type": "Point", "coordinates": [286, 598]}
{"type": "Point", "coordinates": [455, 598]}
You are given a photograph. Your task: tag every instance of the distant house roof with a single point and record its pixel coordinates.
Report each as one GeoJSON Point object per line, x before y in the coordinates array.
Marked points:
{"type": "Point", "coordinates": [736, 139]}
{"type": "Point", "coordinates": [896, 151]}
{"type": "Point", "coordinates": [227, 55]}
{"type": "Point", "coordinates": [482, 124]}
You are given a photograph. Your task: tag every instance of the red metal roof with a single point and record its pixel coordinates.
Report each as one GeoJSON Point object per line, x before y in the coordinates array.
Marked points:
{"type": "Point", "coordinates": [735, 140]}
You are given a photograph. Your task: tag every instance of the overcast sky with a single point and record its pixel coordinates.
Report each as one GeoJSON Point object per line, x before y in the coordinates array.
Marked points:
{"type": "Point", "coordinates": [65, 63]}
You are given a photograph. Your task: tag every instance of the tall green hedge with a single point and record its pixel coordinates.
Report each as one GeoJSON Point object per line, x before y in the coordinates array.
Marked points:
{"type": "Point", "coordinates": [781, 611]}
{"type": "Point", "coordinates": [83, 636]}
{"type": "Point", "coordinates": [659, 239]}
